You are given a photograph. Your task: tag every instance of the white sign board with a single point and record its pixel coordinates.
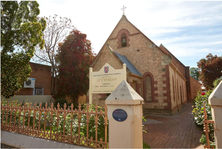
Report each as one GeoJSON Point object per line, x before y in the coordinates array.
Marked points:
{"type": "Point", "coordinates": [105, 80]}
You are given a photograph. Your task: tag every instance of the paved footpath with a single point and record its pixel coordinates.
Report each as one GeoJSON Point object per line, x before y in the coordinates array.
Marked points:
{"type": "Point", "coordinates": [177, 131]}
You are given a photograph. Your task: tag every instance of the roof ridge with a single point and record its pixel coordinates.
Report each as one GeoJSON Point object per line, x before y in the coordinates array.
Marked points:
{"type": "Point", "coordinates": [100, 51]}
{"type": "Point", "coordinates": [172, 54]}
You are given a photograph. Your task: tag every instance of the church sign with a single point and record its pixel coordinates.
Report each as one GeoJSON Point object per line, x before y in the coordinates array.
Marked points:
{"type": "Point", "coordinates": [105, 80]}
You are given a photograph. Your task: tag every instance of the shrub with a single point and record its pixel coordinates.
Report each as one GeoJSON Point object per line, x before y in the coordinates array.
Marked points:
{"type": "Point", "coordinates": [61, 102]}
{"type": "Point", "coordinates": [145, 145]}
{"type": "Point", "coordinates": [60, 120]}
{"type": "Point", "coordinates": [203, 139]}
{"type": "Point", "coordinates": [217, 81]}
{"type": "Point", "coordinates": [198, 111]}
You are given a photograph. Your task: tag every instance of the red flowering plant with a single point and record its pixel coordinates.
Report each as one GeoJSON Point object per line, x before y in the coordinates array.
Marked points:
{"type": "Point", "coordinates": [74, 57]}
{"type": "Point", "coordinates": [203, 93]}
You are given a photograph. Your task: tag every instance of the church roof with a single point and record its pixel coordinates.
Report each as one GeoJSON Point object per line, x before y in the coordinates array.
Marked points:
{"type": "Point", "coordinates": [129, 65]}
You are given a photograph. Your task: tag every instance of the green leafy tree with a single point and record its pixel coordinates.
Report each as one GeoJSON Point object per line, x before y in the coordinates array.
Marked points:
{"type": "Point", "coordinates": [20, 34]}
{"type": "Point", "coordinates": [211, 69]}
{"type": "Point", "coordinates": [194, 73]}
{"type": "Point", "coordinates": [74, 57]}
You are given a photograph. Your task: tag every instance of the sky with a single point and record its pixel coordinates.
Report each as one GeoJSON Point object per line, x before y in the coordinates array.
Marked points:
{"type": "Point", "coordinates": [190, 30]}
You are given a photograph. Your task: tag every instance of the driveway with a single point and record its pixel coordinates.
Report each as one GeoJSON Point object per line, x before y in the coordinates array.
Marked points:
{"type": "Point", "coordinates": [177, 131]}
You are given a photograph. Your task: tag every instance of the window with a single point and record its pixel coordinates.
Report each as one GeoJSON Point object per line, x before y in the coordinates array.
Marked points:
{"type": "Point", "coordinates": [174, 98]}
{"type": "Point", "coordinates": [123, 40]}
{"type": "Point", "coordinates": [134, 85]}
{"type": "Point", "coordinates": [181, 95]}
{"type": "Point", "coordinates": [39, 91]}
{"type": "Point", "coordinates": [148, 88]}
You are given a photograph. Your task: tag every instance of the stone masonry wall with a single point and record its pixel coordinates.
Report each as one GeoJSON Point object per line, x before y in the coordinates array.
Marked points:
{"type": "Point", "coordinates": [144, 56]}
{"type": "Point", "coordinates": [149, 59]}
{"type": "Point", "coordinates": [183, 69]}
{"type": "Point", "coordinates": [176, 62]}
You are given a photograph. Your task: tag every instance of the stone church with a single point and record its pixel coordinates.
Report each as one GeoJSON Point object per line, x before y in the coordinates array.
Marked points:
{"type": "Point", "coordinates": [154, 73]}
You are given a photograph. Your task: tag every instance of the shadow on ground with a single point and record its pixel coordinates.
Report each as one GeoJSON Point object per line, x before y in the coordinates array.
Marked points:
{"type": "Point", "coordinates": [177, 131]}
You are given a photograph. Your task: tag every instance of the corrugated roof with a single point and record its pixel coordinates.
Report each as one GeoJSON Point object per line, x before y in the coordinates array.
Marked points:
{"type": "Point", "coordinates": [129, 65]}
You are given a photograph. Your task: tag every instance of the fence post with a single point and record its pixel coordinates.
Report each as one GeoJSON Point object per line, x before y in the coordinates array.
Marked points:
{"type": "Point", "coordinates": [125, 114]}
{"type": "Point", "coordinates": [215, 99]}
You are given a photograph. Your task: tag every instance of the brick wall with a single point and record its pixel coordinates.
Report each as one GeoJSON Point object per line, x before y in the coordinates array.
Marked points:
{"type": "Point", "coordinates": [195, 87]}
{"type": "Point", "coordinates": [187, 71]}
{"type": "Point", "coordinates": [42, 75]}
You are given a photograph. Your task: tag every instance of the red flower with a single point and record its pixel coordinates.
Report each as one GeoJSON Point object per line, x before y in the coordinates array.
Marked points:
{"type": "Point", "coordinates": [203, 93]}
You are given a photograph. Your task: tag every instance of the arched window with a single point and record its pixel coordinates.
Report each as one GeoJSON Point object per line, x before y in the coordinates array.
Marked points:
{"type": "Point", "coordinates": [123, 40]}
{"type": "Point", "coordinates": [148, 86]}
{"type": "Point", "coordinates": [173, 89]}
{"type": "Point", "coordinates": [148, 89]}
{"type": "Point", "coordinates": [178, 91]}
{"type": "Point", "coordinates": [181, 95]}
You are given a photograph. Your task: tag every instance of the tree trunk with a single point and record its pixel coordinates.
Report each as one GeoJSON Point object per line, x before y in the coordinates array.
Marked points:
{"type": "Point", "coordinates": [53, 80]}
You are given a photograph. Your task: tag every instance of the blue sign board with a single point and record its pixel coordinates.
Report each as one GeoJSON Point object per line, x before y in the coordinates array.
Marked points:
{"type": "Point", "coordinates": [119, 115]}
